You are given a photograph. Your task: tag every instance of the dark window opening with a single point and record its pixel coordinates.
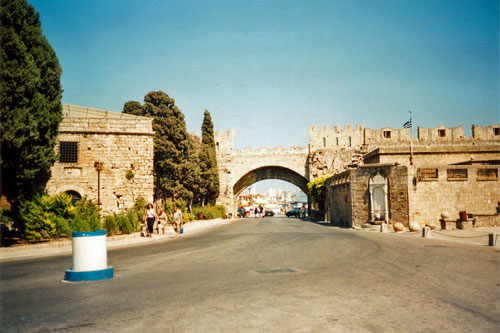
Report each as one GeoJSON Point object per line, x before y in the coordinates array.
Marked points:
{"type": "Point", "coordinates": [75, 196]}
{"type": "Point", "coordinates": [427, 174]}
{"type": "Point", "coordinates": [496, 131]}
{"type": "Point", "coordinates": [487, 174]}
{"type": "Point", "coordinates": [387, 134]}
{"type": "Point", "coordinates": [68, 152]}
{"type": "Point", "coordinates": [441, 133]}
{"type": "Point", "coordinates": [457, 174]}
{"type": "Point", "coordinates": [324, 142]}
{"type": "Point", "coordinates": [337, 141]}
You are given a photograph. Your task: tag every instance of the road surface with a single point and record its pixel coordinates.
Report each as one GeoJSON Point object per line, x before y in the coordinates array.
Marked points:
{"type": "Point", "coordinates": [274, 274]}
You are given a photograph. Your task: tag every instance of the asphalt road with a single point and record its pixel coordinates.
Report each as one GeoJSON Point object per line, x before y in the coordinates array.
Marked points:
{"type": "Point", "coordinates": [264, 275]}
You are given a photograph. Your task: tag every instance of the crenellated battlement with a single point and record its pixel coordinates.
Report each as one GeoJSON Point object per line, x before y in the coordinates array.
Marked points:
{"type": "Point", "coordinates": [223, 141]}
{"type": "Point", "coordinates": [441, 133]}
{"type": "Point", "coordinates": [337, 138]}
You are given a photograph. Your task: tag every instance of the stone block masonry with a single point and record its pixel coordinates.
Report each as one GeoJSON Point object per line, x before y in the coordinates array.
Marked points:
{"type": "Point", "coordinates": [348, 202]}
{"type": "Point", "coordinates": [436, 188]}
{"type": "Point", "coordinates": [123, 143]}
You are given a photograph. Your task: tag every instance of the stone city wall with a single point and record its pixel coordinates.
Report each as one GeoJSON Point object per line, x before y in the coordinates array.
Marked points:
{"type": "Point", "coordinates": [437, 188]}
{"type": "Point", "coordinates": [491, 132]}
{"type": "Point", "coordinates": [125, 146]}
{"type": "Point", "coordinates": [387, 136]}
{"type": "Point", "coordinates": [435, 154]}
{"type": "Point", "coordinates": [336, 138]}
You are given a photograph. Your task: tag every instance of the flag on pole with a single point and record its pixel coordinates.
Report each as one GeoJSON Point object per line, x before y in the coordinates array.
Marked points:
{"type": "Point", "coordinates": [407, 124]}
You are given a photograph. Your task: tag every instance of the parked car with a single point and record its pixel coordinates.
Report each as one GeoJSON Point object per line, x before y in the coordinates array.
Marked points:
{"type": "Point", "coordinates": [293, 212]}
{"type": "Point", "coordinates": [268, 212]}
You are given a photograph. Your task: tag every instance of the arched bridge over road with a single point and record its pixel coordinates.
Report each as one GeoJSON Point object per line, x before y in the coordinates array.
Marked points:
{"type": "Point", "coordinates": [239, 169]}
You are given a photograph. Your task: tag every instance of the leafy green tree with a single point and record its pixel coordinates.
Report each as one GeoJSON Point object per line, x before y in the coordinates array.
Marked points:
{"type": "Point", "coordinates": [30, 103]}
{"type": "Point", "coordinates": [133, 107]}
{"type": "Point", "coordinates": [208, 162]}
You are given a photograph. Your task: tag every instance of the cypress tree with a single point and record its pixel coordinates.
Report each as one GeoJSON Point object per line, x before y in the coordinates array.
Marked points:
{"type": "Point", "coordinates": [172, 147]}
{"type": "Point", "coordinates": [30, 102]}
{"type": "Point", "coordinates": [208, 161]}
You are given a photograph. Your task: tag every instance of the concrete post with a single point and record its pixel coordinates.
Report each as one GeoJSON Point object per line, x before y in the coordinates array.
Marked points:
{"type": "Point", "coordinates": [492, 239]}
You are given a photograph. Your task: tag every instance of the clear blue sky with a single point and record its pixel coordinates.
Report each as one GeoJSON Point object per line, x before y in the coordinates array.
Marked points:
{"type": "Point", "coordinates": [270, 69]}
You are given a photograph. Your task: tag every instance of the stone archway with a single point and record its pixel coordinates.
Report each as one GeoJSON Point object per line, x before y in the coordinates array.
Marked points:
{"type": "Point", "coordinates": [269, 172]}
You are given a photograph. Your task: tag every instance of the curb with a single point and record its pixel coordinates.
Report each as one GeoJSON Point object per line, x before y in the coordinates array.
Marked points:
{"type": "Point", "coordinates": [62, 247]}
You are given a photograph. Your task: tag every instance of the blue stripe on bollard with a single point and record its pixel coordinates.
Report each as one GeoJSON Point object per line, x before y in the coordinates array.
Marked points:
{"type": "Point", "coordinates": [101, 274]}
{"type": "Point", "coordinates": [88, 233]}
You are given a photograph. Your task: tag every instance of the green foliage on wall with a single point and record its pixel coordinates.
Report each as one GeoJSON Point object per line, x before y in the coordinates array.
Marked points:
{"type": "Point", "coordinates": [317, 189]}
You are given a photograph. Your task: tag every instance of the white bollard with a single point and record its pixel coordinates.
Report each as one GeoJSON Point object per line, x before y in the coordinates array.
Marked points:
{"type": "Point", "coordinates": [426, 232]}
{"type": "Point", "coordinates": [90, 260]}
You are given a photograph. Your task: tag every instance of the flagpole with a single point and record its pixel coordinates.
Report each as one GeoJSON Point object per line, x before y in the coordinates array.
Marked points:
{"type": "Point", "coordinates": [411, 139]}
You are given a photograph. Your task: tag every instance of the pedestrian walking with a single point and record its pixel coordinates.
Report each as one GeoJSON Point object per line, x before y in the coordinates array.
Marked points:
{"type": "Point", "coordinates": [150, 218]}
{"type": "Point", "coordinates": [256, 212]}
{"type": "Point", "coordinates": [177, 221]}
{"type": "Point", "coordinates": [162, 221]}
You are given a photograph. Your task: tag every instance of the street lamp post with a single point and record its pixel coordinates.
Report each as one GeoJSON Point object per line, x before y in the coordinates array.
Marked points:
{"type": "Point", "coordinates": [98, 167]}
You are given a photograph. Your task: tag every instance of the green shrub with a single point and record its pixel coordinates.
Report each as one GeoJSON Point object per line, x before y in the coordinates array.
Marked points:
{"type": "Point", "coordinates": [36, 220]}
{"type": "Point", "coordinates": [63, 228]}
{"type": "Point", "coordinates": [134, 219]}
{"type": "Point", "coordinates": [140, 207]}
{"type": "Point", "coordinates": [187, 217]}
{"type": "Point", "coordinates": [110, 224]}
{"type": "Point", "coordinates": [87, 216]}
{"type": "Point", "coordinates": [209, 212]}
{"type": "Point", "coordinates": [124, 224]}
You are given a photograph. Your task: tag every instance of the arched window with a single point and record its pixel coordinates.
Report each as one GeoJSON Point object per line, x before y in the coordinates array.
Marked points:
{"type": "Point", "coordinates": [75, 196]}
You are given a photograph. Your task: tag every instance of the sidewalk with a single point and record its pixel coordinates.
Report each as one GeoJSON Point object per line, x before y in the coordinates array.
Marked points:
{"type": "Point", "coordinates": [476, 236]}
{"type": "Point", "coordinates": [62, 247]}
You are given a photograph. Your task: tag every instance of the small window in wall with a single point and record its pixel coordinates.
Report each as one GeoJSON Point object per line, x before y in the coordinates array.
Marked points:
{"type": "Point", "coordinates": [427, 174]}
{"type": "Point", "coordinates": [487, 174]}
{"type": "Point", "coordinates": [387, 134]}
{"type": "Point", "coordinates": [441, 133]}
{"type": "Point", "coordinates": [350, 141]}
{"type": "Point", "coordinates": [217, 146]}
{"type": "Point", "coordinates": [337, 141]}
{"type": "Point", "coordinates": [324, 142]}
{"type": "Point", "coordinates": [457, 174]}
{"type": "Point", "coordinates": [496, 131]}
{"type": "Point", "coordinates": [68, 152]}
